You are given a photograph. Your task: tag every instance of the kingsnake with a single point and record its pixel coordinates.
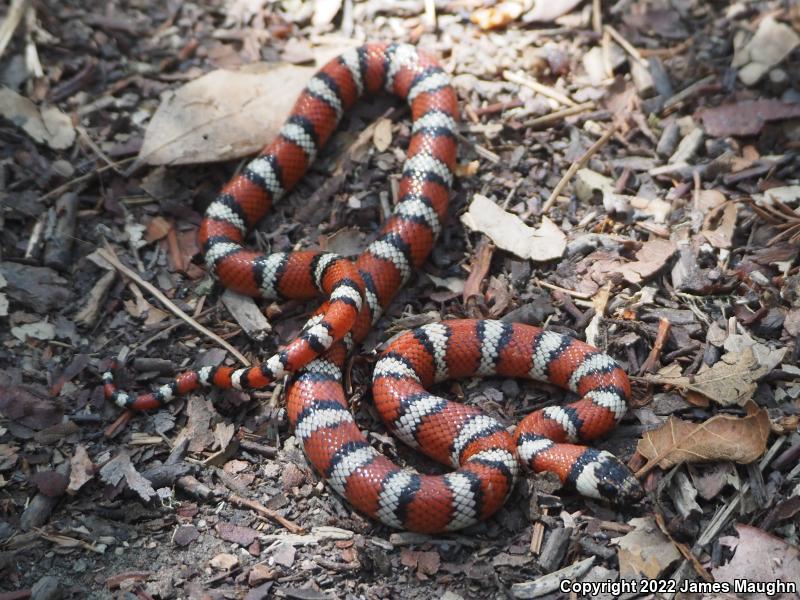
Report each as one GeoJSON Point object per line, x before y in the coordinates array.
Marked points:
{"type": "Point", "coordinates": [485, 455]}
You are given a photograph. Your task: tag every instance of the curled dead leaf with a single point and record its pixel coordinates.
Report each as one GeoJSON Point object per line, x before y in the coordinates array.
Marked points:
{"type": "Point", "coordinates": [510, 233]}
{"type": "Point", "coordinates": [212, 118]}
{"type": "Point", "coordinates": [731, 381]}
{"type": "Point", "coordinates": [722, 437]}
{"type": "Point", "coordinates": [382, 135]}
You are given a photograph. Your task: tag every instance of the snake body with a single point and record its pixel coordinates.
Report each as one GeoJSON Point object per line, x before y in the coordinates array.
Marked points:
{"type": "Point", "coordinates": [486, 457]}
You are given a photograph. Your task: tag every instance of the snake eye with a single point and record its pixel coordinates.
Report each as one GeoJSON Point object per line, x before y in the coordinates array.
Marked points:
{"type": "Point", "coordinates": [607, 490]}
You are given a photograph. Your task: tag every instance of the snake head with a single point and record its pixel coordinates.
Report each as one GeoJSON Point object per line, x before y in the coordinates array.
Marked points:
{"type": "Point", "coordinates": [603, 476]}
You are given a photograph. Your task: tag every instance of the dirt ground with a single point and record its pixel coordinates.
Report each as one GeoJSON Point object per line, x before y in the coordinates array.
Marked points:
{"type": "Point", "coordinates": [628, 173]}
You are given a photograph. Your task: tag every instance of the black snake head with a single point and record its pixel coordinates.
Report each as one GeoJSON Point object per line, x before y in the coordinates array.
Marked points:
{"type": "Point", "coordinates": [599, 474]}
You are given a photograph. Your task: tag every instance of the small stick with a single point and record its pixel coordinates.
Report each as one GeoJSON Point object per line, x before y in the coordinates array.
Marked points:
{"type": "Point", "coordinates": [666, 52]}
{"type": "Point", "coordinates": [558, 115]}
{"type": "Point", "coordinates": [577, 166]}
{"type": "Point", "coordinates": [85, 177]}
{"type": "Point", "coordinates": [478, 271]}
{"type": "Point", "coordinates": [606, 45]}
{"type": "Point", "coordinates": [687, 92]}
{"type": "Point", "coordinates": [537, 536]}
{"type": "Point", "coordinates": [597, 17]}
{"type": "Point", "coordinates": [97, 149]}
{"type": "Point", "coordinates": [108, 254]}
{"type": "Point", "coordinates": [430, 14]}
{"type": "Point", "coordinates": [626, 45]}
{"type": "Point", "coordinates": [573, 293]}
{"type": "Point", "coordinates": [267, 512]}
{"type": "Point", "coordinates": [661, 338]}
{"type": "Point", "coordinates": [496, 107]}
{"type": "Point", "coordinates": [15, 13]}
{"type": "Point", "coordinates": [539, 88]}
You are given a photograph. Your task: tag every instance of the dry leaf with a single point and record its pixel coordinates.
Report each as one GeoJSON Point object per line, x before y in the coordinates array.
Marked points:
{"type": "Point", "coordinates": [120, 468]}
{"type": "Point", "coordinates": [222, 115]}
{"type": "Point", "coordinates": [382, 134]}
{"type": "Point", "coordinates": [81, 469]}
{"type": "Point", "coordinates": [469, 169]}
{"type": "Point", "coordinates": [496, 16]}
{"type": "Point", "coordinates": [719, 225]}
{"type": "Point", "coordinates": [549, 10]}
{"type": "Point", "coordinates": [721, 437]}
{"type": "Point", "coordinates": [509, 232]}
{"type": "Point", "coordinates": [46, 125]}
{"type": "Point", "coordinates": [645, 551]}
{"type": "Point", "coordinates": [157, 229]}
{"type": "Point", "coordinates": [224, 561]}
{"type": "Point", "coordinates": [745, 118]}
{"type": "Point", "coordinates": [731, 381]}
{"type": "Point", "coordinates": [325, 11]}
{"type": "Point", "coordinates": [760, 556]}
{"type": "Point", "coordinates": [588, 181]}
{"type": "Point", "coordinates": [767, 357]}
{"type": "Point", "coordinates": [651, 258]}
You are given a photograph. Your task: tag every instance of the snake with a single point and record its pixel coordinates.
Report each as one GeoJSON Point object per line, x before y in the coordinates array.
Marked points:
{"type": "Point", "coordinates": [485, 457]}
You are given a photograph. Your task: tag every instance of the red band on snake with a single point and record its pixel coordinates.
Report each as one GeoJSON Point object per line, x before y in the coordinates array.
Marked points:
{"type": "Point", "coordinates": [485, 455]}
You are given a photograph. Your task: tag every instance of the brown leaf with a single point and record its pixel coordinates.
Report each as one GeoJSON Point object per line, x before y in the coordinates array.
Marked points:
{"type": "Point", "coordinates": [198, 428]}
{"type": "Point", "coordinates": [425, 563]}
{"type": "Point", "coordinates": [719, 225]}
{"type": "Point", "coordinates": [731, 381]}
{"type": "Point", "coordinates": [244, 536]}
{"type": "Point", "coordinates": [81, 469]}
{"type": "Point", "coordinates": [745, 118]}
{"type": "Point", "coordinates": [650, 258]}
{"type": "Point", "coordinates": [157, 229]}
{"type": "Point", "coordinates": [760, 556]}
{"type": "Point", "coordinates": [19, 404]}
{"type": "Point", "coordinates": [721, 437]}
{"type": "Point", "coordinates": [645, 551]}
{"type": "Point", "coordinates": [211, 118]}
{"type": "Point", "coordinates": [45, 125]}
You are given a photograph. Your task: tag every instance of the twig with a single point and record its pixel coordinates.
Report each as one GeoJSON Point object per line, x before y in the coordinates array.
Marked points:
{"type": "Point", "coordinates": [479, 150]}
{"type": "Point", "coordinates": [597, 17]}
{"type": "Point", "coordinates": [658, 345]}
{"type": "Point", "coordinates": [666, 52]}
{"type": "Point", "coordinates": [32, 62]}
{"type": "Point", "coordinates": [577, 166]}
{"type": "Point", "coordinates": [608, 66]}
{"type": "Point", "coordinates": [430, 14]}
{"type": "Point", "coordinates": [108, 254]}
{"type": "Point", "coordinates": [67, 185]}
{"type": "Point", "coordinates": [537, 537]}
{"type": "Point", "coordinates": [15, 13]}
{"type": "Point", "coordinates": [539, 88]}
{"type": "Point", "coordinates": [626, 45]}
{"type": "Point", "coordinates": [558, 115]}
{"type": "Point", "coordinates": [267, 512]}
{"type": "Point", "coordinates": [687, 92]}
{"type": "Point", "coordinates": [496, 107]}
{"type": "Point", "coordinates": [556, 288]}
{"type": "Point", "coordinates": [97, 149]}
